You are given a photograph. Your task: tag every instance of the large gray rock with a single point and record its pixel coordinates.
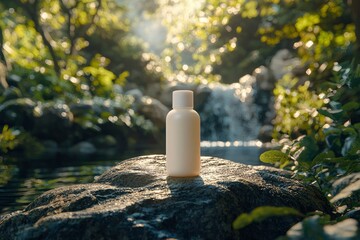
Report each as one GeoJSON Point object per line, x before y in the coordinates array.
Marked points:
{"type": "Point", "coordinates": [149, 107]}
{"type": "Point", "coordinates": [344, 182]}
{"type": "Point", "coordinates": [136, 200]}
{"type": "Point", "coordinates": [201, 93]}
{"type": "Point", "coordinates": [18, 112]}
{"type": "Point", "coordinates": [314, 228]}
{"type": "Point", "coordinates": [346, 195]}
{"type": "Point", "coordinates": [49, 115]}
{"type": "Point", "coordinates": [265, 133]}
{"type": "Point", "coordinates": [154, 110]}
{"type": "Point", "coordinates": [264, 78]}
{"type": "Point", "coordinates": [284, 62]}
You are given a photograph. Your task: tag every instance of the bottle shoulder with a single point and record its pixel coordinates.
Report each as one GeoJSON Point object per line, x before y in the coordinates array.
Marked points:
{"type": "Point", "coordinates": [183, 113]}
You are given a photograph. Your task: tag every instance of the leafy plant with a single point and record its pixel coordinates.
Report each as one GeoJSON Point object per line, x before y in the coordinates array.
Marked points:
{"type": "Point", "coordinates": [77, 55]}
{"type": "Point", "coordinates": [229, 39]}
{"type": "Point", "coordinates": [8, 139]}
{"type": "Point", "coordinates": [275, 157]}
{"type": "Point", "coordinates": [261, 213]}
{"type": "Point", "coordinates": [296, 109]}
{"type": "Point", "coordinates": [328, 152]}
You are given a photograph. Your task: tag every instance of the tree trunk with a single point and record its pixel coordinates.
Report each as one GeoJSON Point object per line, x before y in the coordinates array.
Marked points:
{"type": "Point", "coordinates": [31, 8]}
{"type": "Point", "coordinates": [3, 81]}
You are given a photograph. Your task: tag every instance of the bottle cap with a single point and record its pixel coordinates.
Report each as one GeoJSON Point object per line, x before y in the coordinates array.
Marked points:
{"type": "Point", "coordinates": [182, 99]}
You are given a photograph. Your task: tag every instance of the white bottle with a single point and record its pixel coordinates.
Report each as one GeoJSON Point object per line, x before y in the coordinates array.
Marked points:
{"type": "Point", "coordinates": [182, 136]}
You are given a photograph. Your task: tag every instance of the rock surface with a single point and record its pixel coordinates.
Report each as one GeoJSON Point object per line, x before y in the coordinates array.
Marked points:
{"type": "Point", "coordinates": [346, 191]}
{"type": "Point", "coordinates": [136, 200]}
{"type": "Point", "coordinates": [313, 227]}
{"type": "Point", "coordinates": [154, 110]}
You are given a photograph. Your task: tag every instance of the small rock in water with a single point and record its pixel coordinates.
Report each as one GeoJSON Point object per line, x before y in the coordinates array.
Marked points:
{"type": "Point", "coordinates": [83, 148]}
{"type": "Point", "coordinates": [265, 133]}
{"type": "Point", "coordinates": [104, 141]}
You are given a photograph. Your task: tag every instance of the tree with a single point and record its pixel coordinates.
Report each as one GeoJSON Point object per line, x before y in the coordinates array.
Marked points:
{"type": "Point", "coordinates": [85, 43]}
{"type": "Point", "coordinates": [222, 36]}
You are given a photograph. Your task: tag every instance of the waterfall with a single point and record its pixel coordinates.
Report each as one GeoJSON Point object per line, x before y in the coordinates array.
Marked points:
{"type": "Point", "coordinates": [230, 112]}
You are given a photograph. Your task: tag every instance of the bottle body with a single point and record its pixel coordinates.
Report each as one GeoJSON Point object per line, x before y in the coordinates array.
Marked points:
{"type": "Point", "coordinates": [183, 143]}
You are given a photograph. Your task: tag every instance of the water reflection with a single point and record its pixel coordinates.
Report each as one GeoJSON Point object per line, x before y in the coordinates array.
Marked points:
{"type": "Point", "coordinates": [246, 152]}
{"type": "Point", "coordinates": [220, 144]}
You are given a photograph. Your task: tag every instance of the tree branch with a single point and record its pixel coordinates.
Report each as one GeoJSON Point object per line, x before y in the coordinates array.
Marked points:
{"type": "Point", "coordinates": [74, 32]}
{"type": "Point", "coordinates": [84, 28]}
{"type": "Point", "coordinates": [71, 28]}
{"type": "Point", "coordinates": [3, 81]}
{"type": "Point", "coordinates": [31, 9]}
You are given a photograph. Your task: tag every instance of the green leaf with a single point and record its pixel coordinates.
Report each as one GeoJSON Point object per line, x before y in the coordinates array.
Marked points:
{"type": "Point", "coordinates": [351, 106]}
{"type": "Point", "coordinates": [242, 221]}
{"type": "Point", "coordinates": [351, 146]}
{"type": "Point", "coordinates": [349, 131]}
{"type": "Point", "coordinates": [335, 105]}
{"type": "Point", "coordinates": [274, 156]}
{"type": "Point", "coordinates": [261, 213]}
{"type": "Point", "coordinates": [122, 78]}
{"type": "Point", "coordinates": [324, 112]}
{"type": "Point", "coordinates": [309, 150]}
{"type": "Point", "coordinates": [321, 157]}
{"type": "Point", "coordinates": [336, 114]}
{"type": "Point", "coordinates": [357, 126]}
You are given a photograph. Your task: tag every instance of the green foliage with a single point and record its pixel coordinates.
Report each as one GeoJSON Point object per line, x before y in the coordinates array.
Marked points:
{"type": "Point", "coordinates": [314, 27]}
{"type": "Point", "coordinates": [63, 38]}
{"type": "Point", "coordinates": [77, 55]}
{"type": "Point", "coordinates": [70, 60]}
{"type": "Point", "coordinates": [30, 27]}
{"type": "Point", "coordinates": [11, 139]}
{"type": "Point", "coordinates": [326, 151]}
{"type": "Point", "coordinates": [8, 140]}
{"type": "Point", "coordinates": [211, 38]}
{"type": "Point", "coordinates": [261, 213]}
{"type": "Point", "coordinates": [330, 148]}
{"type": "Point", "coordinates": [297, 109]}
{"type": "Point", "coordinates": [275, 157]}
{"type": "Point", "coordinates": [102, 80]}
{"type": "Point", "coordinates": [228, 39]}
{"type": "Point", "coordinates": [7, 172]}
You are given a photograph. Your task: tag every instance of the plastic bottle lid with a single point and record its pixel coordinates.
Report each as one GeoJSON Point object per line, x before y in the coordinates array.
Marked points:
{"type": "Point", "coordinates": [182, 99]}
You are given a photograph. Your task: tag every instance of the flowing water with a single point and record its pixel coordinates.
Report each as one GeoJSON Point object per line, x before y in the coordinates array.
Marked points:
{"type": "Point", "coordinates": [230, 113]}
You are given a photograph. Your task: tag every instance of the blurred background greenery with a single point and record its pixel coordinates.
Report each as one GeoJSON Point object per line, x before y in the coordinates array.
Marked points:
{"type": "Point", "coordinates": [91, 79]}
{"type": "Point", "coordinates": [67, 66]}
